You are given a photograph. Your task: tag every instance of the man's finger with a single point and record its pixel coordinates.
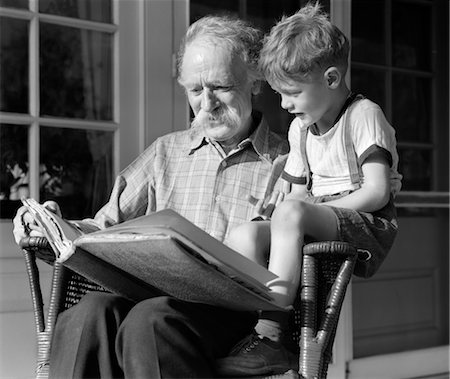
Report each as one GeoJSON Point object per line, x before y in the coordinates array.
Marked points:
{"type": "Point", "coordinates": [252, 200]}
{"type": "Point", "coordinates": [280, 198]}
{"type": "Point", "coordinates": [52, 206]}
{"type": "Point", "coordinates": [273, 198]}
{"type": "Point", "coordinates": [19, 224]}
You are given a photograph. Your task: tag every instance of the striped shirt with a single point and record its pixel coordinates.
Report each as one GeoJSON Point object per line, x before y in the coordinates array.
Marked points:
{"type": "Point", "coordinates": [187, 172]}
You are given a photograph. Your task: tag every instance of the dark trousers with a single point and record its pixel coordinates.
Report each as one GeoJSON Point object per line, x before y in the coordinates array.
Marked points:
{"type": "Point", "coordinates": [106, 336]}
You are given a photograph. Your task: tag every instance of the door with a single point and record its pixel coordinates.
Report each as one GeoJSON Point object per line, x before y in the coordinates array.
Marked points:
{"type": "Point", "coordinates": [400, 60]}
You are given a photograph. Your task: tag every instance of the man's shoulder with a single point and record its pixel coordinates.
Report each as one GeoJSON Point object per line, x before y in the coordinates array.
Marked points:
{"type": "Point", "coordinates": [279, 141]}
{"type": "Point", "coordinates": [274, 140]}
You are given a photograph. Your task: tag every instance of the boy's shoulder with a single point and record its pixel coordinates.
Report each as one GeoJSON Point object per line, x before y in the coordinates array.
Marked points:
{"type": "Point", "coordinates": [363, 104]}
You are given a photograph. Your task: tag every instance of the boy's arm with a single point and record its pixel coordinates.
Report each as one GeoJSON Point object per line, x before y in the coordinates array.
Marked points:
{"type": "Point", "coordinates": [375, 190]}
{"type": "Point", "coordinates": [298, 192]}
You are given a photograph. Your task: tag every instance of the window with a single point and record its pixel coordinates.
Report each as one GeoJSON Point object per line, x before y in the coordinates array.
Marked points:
{"type": "Point", "coordinates": [57, 97]}
{"type": "Point", "coordinates": [400, 60]}
{"type": "Point", "coordinates": [404, 68]}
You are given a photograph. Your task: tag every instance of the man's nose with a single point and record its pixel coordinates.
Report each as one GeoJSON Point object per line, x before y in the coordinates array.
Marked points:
{"type": "Point", "coordinates": [209, 100]}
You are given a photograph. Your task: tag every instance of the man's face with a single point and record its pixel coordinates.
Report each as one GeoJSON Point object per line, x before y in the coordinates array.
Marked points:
{"type": "Point", "coordinates": [218, 91]}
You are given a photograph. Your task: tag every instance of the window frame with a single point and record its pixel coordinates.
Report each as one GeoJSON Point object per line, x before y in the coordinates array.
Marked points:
{"type": "Point", "coordinates": [33, 120]}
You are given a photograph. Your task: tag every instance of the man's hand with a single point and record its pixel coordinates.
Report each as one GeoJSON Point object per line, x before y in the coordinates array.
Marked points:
{"type": "Point", "coordinates": [265, 207]}
{"type": "Point", "coordinates": [25, 225]}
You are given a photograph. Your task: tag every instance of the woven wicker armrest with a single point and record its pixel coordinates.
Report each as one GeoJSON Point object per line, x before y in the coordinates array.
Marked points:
{"type": "Point", "coordinates": [326, 271]}
{"type": "Point", "coordinates": [66, 290]}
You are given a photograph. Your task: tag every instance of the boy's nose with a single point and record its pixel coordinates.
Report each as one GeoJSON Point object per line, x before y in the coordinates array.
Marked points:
{"type": "Point", "coordinates": [286, 103]}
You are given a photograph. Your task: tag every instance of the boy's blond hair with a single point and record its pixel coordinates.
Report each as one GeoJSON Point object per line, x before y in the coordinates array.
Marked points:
{"type": "Point", "coordinates": [303, 44]}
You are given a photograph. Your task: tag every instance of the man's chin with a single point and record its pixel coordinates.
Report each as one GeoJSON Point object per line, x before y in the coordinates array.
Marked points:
{"type": "Point", "coordinates": [218, 132]}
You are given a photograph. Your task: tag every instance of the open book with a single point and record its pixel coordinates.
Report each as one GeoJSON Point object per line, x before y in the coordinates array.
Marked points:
{"type": "Point", "coordinates": [161, 253]}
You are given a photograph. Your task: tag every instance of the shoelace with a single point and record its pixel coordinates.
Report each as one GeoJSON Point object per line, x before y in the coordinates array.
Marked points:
{"type": "Point", "coordinates": [252, 345]}
{"type": "Point", "coordinates": [247, 344]}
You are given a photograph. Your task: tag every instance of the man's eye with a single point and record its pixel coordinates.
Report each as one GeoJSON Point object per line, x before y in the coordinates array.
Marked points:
{"type": "Point", "coordinates": [195, 91]}
{"type": "Point", "coordinates": [224, 88]}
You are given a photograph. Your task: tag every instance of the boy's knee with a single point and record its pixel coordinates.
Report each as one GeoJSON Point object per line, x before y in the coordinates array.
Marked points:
{"type": "Point", "coordinates": [290, 212]}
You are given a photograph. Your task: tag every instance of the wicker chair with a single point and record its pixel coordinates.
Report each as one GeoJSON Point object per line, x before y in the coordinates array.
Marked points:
{"type": "Point", "coordinates": [327, 270]}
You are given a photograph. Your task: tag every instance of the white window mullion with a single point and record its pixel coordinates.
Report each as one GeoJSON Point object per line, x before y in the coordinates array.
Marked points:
{"type": "Point", "coordinates": [34, 105]}
{"type": "Point", "coordinates": [116, 87]}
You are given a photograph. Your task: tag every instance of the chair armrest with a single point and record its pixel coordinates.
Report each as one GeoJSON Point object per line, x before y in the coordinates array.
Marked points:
{"type": "Point", "coordinates": [326, 271]}
{"type": "Point", "coordinates": [67, 288]}
{"type": "Point", "coordinates": [40, 246]}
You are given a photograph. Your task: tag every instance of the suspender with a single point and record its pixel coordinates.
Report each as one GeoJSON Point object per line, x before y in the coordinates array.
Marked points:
{"type": "Point", "coordinates": [352, 159]}
{"type": "Point", "coordinates": [303, 136]}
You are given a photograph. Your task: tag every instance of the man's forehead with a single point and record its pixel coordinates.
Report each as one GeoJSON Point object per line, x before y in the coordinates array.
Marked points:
{"type": "Point", "coordinates": [207, 63]}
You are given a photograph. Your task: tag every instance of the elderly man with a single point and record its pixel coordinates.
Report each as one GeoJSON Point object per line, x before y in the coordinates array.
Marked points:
{"type": "Point", "coordinates": [205, 173]}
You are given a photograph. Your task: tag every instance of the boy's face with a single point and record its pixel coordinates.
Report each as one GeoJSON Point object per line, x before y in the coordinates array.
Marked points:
{"type": "Point", "coordinates": [308, 101]}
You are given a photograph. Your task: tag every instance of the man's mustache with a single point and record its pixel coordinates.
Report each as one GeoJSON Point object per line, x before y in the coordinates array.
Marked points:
{"type": "Point", "coordinates": [221, 115]}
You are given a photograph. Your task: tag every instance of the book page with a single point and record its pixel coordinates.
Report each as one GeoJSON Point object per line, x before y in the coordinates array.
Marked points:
{"type": "Point", "coordinates": [59, 233]}
{"type": "Point", "coordinates": [171, 223]}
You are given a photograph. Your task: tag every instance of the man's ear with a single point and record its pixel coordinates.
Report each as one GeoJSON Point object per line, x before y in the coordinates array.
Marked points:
{"type": "Point", "coordinates": [332, 77]}
{"type": "Point", "coordinates": [256, 87]}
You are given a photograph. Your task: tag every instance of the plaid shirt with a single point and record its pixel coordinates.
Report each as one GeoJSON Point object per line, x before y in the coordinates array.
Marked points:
{"type": "Point", "coordinates": [187, 172]}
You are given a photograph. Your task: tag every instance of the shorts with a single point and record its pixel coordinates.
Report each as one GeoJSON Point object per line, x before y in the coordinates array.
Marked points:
{"type": "Point", "coordinates": [374, 232]}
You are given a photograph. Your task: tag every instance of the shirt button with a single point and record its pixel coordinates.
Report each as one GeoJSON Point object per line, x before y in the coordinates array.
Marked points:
{"type": "Point", "coordinates": [224, 164]}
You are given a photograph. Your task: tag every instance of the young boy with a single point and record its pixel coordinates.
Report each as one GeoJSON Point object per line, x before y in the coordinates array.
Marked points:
{"type": "Point", "coordinates": [342, 167]}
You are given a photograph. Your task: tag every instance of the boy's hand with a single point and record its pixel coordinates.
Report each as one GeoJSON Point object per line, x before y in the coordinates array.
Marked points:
{"type": "Point", "coordinates": [25, 225]}
{"type": "Point", "coordinates": [265, 207]}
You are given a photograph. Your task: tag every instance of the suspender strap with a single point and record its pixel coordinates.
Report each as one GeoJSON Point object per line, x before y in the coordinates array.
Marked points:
{"type": "Point", "coordinates": [303, 135]}
{"type": "Point", "coordinates": [354, 169]}
{"type": "Point", "coordinates": [351, 155]}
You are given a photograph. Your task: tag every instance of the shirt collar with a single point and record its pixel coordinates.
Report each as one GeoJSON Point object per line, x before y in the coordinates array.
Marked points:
{"type": "Point", "coordinates": [259, 138]}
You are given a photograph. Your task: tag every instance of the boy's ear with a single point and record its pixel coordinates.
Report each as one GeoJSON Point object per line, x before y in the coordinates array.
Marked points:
{"type": "Point", "coordinates": [332, 77]}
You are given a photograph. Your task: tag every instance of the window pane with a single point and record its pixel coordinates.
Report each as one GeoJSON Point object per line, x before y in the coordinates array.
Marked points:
{"type": "Point", "coordinates": [370, 84]}
{"type": "Point", "coordinates": [76, 169]}
{"type": "Point", "coordinates": [412, 47]}
{"type": "Point", "coordinates": [416, 167]}
{"type": "Point", "coordinates": [200, 8]}
{"type": "Point", "coordinates": [98, 10]}
{"type": "Point", "coordinates": [13, 65]}
{"type": "Point", "coordinates": [265, 14]}
{"type": "Point", "coordinates": [13, 168]}
{"type": "Point", "coordinates": [368, 32]}
{"type": "Point", "coordinates": [76, 73]}
{"type": "Point", "coordinates": [21, 4]}
{"type": "Point", "coordinates": [268, 102]}
{"type": "Point", "coordinates": [412, 108]}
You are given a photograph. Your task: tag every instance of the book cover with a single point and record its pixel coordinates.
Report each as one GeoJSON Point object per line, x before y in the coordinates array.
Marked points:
{"type": "Point", "coordinates": [159, 253]}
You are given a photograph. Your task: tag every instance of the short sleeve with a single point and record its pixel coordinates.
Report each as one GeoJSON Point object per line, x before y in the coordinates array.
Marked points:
{"type": "Point", "coordinates": [294, 171]}
{"type": "Point", "coordinates": [371, 131]}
